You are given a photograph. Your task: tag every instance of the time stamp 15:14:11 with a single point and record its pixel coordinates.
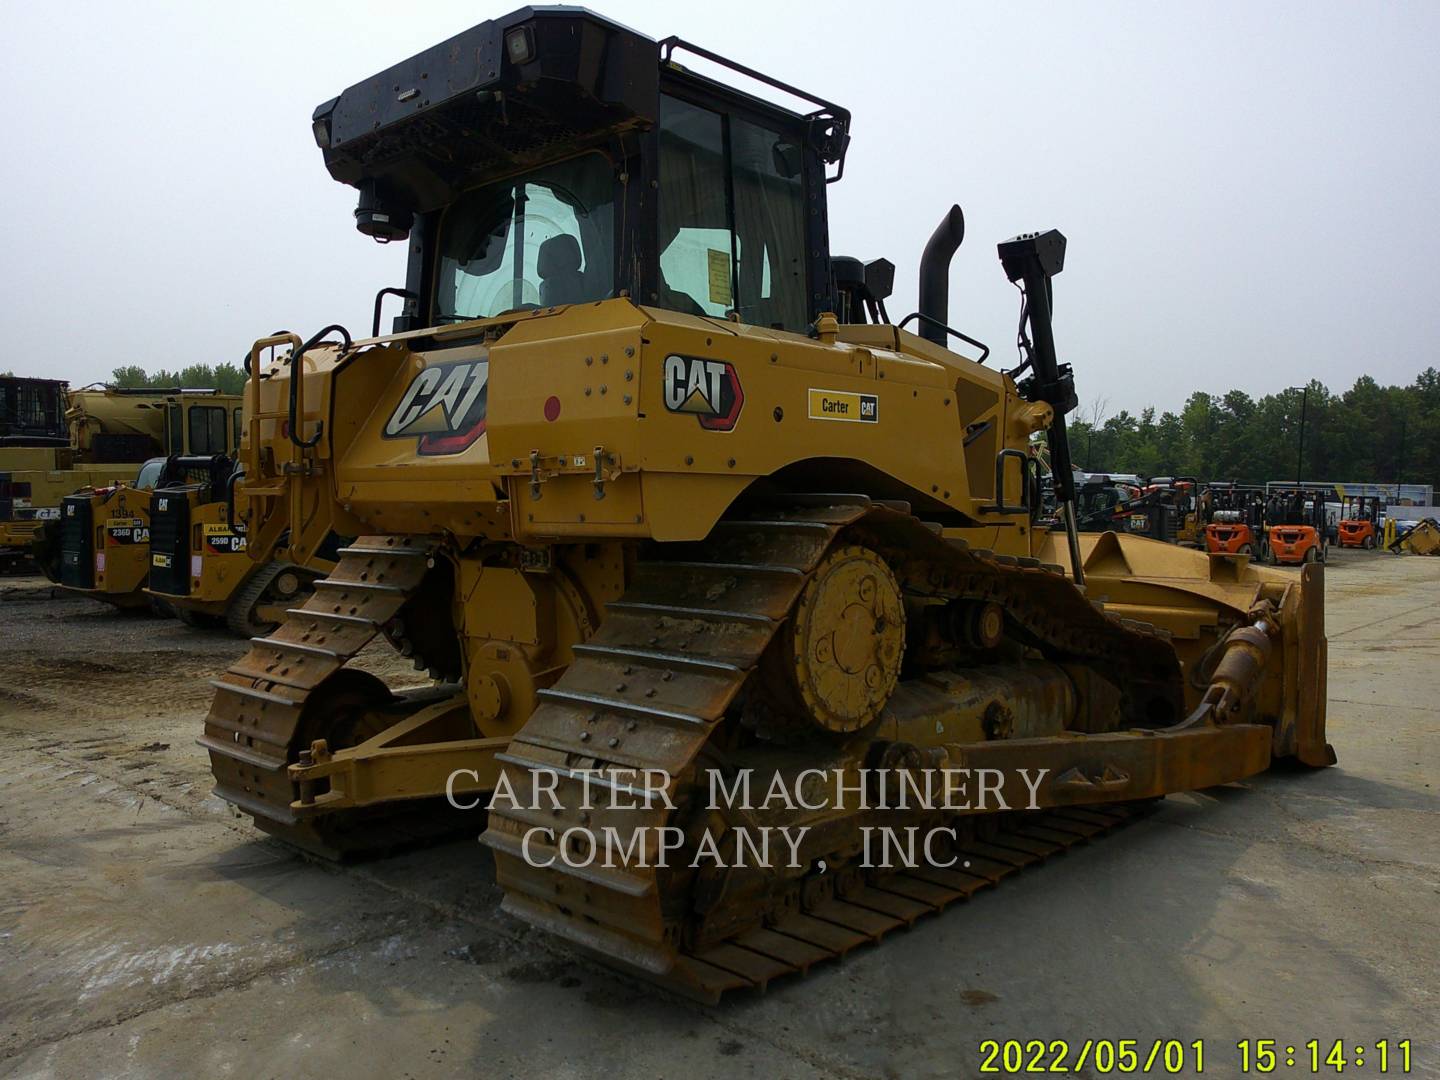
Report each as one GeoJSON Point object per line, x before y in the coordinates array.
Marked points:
{"type": "Point", "coordinates": [1136, 1057]}
{"type": "Point", "coordinates": [1267, 1055]}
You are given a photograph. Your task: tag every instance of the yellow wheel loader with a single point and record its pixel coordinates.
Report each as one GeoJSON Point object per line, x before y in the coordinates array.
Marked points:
{"type": "Point", "coordinates": [657, 490]}
{"type": "Point", "coordinates": [199, 560]}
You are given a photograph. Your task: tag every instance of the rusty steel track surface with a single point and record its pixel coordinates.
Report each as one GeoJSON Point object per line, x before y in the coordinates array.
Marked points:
{"type": "Point", "coordinates": [652, 690]}
{"type": "Point", "coordinates": [266, 710]}
{"type": "Point", "coordinates": [838, 924]}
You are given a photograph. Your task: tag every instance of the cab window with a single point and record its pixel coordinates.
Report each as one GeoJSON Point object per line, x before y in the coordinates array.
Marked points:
{"type": "Point", "coordinates": [541, 239]}
{"type": "Point", "coordinates": [731, 218]}
{"type": "Point", "coordinates": [239, 427]}
{"type": "Point", "coordinates": [174, 422]}
{"type": "Point", "coordinates": [207, 429]}
{"type": "Point", "coordinates": [150, 474]}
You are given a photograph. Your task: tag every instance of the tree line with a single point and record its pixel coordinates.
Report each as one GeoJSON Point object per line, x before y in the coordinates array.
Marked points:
{"type": "Point", "coordinates": [1368, 434]}
{"type": "Point", "coordinates": [224, 378]}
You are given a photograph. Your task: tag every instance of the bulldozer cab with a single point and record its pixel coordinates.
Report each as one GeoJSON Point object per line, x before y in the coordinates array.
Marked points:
{"type": "Point", "coordinates": [202, 424]}
{"type": "Point", "coordinates": [563, 159]}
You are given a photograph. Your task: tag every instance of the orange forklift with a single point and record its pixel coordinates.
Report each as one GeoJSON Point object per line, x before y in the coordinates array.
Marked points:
{"type": "Point", "coordinates": [1296, 529]}
{"type": "Point", "coordinates": [1235, 520]}
{"type": "Point", "coordinates": [1360, 522]}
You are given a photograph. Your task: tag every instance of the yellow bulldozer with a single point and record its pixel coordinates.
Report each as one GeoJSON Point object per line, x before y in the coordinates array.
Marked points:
{"type": "Point", "coordinates": [660, 495]}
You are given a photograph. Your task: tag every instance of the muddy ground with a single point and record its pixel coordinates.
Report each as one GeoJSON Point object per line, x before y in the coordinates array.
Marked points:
{"type": "Point", "coordinates": [146, 930]}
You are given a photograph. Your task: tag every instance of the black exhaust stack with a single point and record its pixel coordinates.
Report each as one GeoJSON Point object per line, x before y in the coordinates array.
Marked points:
{"type": "Point", "coordinates": [935, 275]}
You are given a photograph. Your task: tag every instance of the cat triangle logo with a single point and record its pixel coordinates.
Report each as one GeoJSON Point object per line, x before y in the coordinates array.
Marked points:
{"type": "Point", "coordinates": [697, 403]}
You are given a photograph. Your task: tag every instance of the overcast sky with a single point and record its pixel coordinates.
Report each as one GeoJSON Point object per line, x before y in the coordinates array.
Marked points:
{"type": "Point", "coordinates": [1249, 189]}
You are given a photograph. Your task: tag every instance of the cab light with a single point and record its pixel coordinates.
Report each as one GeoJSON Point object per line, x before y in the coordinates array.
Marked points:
{"type": "Point", "coordinates": [519, 45]}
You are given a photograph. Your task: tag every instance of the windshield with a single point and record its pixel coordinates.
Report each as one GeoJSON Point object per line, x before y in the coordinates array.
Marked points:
{"type": "Point", "coordinates": [539, 240]}
{"type": "Point", "coordinates": [1099, 500]}
{"type": "Point", "coordinates": [149, 474]}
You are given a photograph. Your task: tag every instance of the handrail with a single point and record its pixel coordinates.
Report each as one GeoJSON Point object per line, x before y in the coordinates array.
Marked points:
{"type": "Point", "coordinates": [984, 349]}
{"type": "Point", "coordinates": [252, 391]}
{"type": "Point", "coordinates": [404, 294]}
{"type": "Point", "coordinates": [297, 385]}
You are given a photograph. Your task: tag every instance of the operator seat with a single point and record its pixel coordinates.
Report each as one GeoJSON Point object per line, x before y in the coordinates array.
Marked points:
{"type": "Point", "coordinates": [558, 263]}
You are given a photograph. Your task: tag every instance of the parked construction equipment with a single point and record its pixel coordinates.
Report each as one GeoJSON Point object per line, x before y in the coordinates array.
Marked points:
{"type": "Point", "coordinates": [104, 540]}
{"type": "Point", "coordinates": [1421, 538]}
{"type": "Point", "coordinates": [1104, 505]}
{"type": "Point", "coordinates": [1177, 519]}
{"type": "Point", "coordinates": [32, 423]}
{"type": "Point", "coordinates": [1296, 526]}
{"type": "Point", "coordinates": [73, 440]}
{"type": "Point", "coordinates": [200, 563]}
{"type": "Point", "coordinates": [1360, 523]}
{"type": "Point", "coordinates": [1234, 517]}
{"type": "Point", "coordinates": [649, 480]}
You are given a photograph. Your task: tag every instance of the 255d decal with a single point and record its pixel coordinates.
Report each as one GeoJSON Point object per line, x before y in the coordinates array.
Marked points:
{"type": "Point", "coordinates": [444, 407]}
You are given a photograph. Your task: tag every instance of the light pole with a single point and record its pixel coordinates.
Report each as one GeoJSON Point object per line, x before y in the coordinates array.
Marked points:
{"type": "Point", "coordinates": [1300, 455]}
{"type": "Point", "coordinates": [1400, 459]}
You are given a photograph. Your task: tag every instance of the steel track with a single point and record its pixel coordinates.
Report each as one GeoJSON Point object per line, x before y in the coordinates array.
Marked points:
{"type": "Point", "coordinates": [655, 684]}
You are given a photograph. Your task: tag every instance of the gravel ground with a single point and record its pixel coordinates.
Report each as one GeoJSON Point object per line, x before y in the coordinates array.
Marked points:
{"type": "Point", "coordinates": [146, 930]}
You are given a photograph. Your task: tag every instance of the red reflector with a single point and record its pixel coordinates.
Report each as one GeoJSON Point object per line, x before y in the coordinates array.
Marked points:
{"type": "Point", "coordinates": [552, 408]}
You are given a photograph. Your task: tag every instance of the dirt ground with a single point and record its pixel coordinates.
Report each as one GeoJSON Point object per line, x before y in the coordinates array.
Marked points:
{"type": "Point", "coordinates": [146, 930]}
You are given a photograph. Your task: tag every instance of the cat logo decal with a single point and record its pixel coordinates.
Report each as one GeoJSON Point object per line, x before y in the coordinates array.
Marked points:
{"type": "Point", "coordinates": [444, 407]}
{"type": "Point", "coordinates": [710, 389]}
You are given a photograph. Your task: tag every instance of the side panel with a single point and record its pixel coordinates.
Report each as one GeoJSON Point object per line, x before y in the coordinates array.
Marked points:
{"type": "Point", "coordinates": [77, 542]}
{"type": "Point", "coordinates": [169, 543]}
{"type": "Point", "coordinates": [608, 419]}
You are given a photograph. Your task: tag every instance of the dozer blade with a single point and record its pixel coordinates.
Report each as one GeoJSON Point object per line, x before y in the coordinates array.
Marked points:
{"type": "Point", "coordinates": [1189, 594]}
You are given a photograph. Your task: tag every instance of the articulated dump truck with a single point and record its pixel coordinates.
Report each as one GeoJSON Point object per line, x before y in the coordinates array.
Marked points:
{"type": "Point", "coordinates": [655, 490]}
